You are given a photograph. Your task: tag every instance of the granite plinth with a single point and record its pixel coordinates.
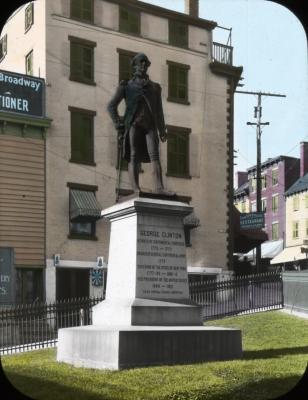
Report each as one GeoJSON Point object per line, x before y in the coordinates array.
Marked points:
{"type": "Point", "coordinates": [146, 312]}
{"type": "Point", "coordinates": [134, 346]}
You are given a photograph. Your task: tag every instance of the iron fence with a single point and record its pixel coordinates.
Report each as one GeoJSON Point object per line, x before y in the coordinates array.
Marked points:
{"type": "Point", "coordinates": [34, 326]}
{"type": "Point", "coordinates": [243, 294]}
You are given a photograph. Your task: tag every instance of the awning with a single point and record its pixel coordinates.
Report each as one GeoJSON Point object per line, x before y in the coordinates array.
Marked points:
{"type": "Point", "coordinates": [191, 221]}
{"type": "Point", "coordinates": [83, 206]}
{"type": "Point", "coordinates": [289, 254]}
{"type": "Point", "coordinates": [269, 249]}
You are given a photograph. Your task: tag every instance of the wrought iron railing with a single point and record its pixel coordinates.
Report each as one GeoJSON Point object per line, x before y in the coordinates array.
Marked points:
{"type": "Point", "coordinates": [222, 53]}
{"type": "Point", "coordinates": [34, 326]}
{"type": "Point", "coordinates": [243, 294]}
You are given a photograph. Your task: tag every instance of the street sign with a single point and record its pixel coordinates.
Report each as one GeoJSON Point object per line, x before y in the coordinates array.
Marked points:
{"type": "Point", "coordinates": [22, 94]}
{"type": "Point", "coordinates": [254, 220]}
{"type": "Point", "coordinates": [7, 275]}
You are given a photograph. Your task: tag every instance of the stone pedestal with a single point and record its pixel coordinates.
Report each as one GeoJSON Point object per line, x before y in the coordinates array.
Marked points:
{"type": "Point", "coordinates": [147, 317]}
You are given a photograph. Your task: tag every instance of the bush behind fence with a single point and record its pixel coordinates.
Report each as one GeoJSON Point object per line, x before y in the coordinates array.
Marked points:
{"type": "Point", "coordinates": [33, 326]}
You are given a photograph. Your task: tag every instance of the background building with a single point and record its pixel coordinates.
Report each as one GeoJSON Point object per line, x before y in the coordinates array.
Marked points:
{"type": "Point", "coordinates": [83, 49]}
{"type": "Point", "coordinates": [278, 176]}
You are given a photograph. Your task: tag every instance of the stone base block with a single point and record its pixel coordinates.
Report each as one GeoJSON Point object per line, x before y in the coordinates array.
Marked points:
{"type": "Point", "coordinates": [140, 346]}
{"type": "Point", "coordinates": [145, 312]}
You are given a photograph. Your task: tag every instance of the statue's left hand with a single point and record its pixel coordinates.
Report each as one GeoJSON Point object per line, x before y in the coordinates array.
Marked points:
{"type": "Point", "coordinates": [163, 136]}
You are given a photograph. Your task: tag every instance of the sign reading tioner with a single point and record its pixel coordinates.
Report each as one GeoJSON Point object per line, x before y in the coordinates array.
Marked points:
{"type": "Point", "coordinates": [22, 94]}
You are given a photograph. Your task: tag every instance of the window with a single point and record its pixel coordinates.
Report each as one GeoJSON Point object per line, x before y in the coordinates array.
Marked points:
{"type": "Point", "coordinates": [82, 10]}
{"type": "Point", "coordinates": [263, 182]}
{"type": "Point", "coordinates": [178, 33]}
{"type": "Point", "coordinates": [296, 202]}
{"type": "Point", "coordinates": [178, 152]}
{"type": "Point", "coordinates": [29, 16]}
{"type": "Point", "coordinates": [275, 232]}
{"type": "Point", "coordinates": [274, 177]}
{"type": "Point", "coordinates": [295, 227]}
{"type": "Point", "coordinates": [253, 184]}
{"type": "Point", "coordinates": [84, 211]}
{"type": "Point", "coordinates": [82, 136]}
{"type": "Point", "coordinates": [253, 206]}
{"type": "Point", "coordinates": [125, 67]}
{"type": "Point", "coordinates": [243, 206]}
{"type": "Point", "coordinates": [3, 47]}
{"type": "Point", "coordinates": [275, 203]}
{"type": "Point", "coordinates": [178, 82]}
{"type": "Point", "coordinates": [306, 227]}
{"type": "Point", "coordinates": [29, 63]}
{"type": "Point", "coordinates": [306, 200]}
{"type": "Point", "coordinates": [129, 20]}
{"type": "Point", "coordinates": [82, 60]}
{"type": "Point", "coordinates": [29, 285]}
{"type": "Point", "coordinates": [263, 205]}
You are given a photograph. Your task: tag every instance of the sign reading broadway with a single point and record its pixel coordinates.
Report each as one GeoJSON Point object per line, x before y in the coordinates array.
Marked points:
{"type": "Point", "coordinates": [254, 220]}
{"type": "Point", "coordinates": [22, 94]}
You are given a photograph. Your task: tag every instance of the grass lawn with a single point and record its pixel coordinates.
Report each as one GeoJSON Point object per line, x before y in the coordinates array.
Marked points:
{"type": "Point", "coordinates": [275, 357]}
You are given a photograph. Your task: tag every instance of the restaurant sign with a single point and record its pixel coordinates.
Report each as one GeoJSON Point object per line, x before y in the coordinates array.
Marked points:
{"type": "Point", "coordinates": [22, 94]}
{"type": "Point", "coordinates": [7, 275]}
{"type": "Point", "coordinates": [254, 220]}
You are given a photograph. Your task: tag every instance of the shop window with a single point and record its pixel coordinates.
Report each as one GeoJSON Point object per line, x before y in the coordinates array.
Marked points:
{"type": "Point", "coordinates": [29, 63]}
{"type": "Point", "coordinates": [178, 82]}
{"type": "Point", "coordinates": [29, 16]}
{"type": "Point", "coordinates": [29, 285]}
{"type": "Point", "coordinates": [178, 152]}
{"type": "Point", "coordinates": [82, 60]}
{"type": "Point", "coordinates": [178, 33]}
{"type": "Point", "coordinates": [129, 20]}
{"type": "Point", "coordinates": [82, 136]}
{"type": "Point", "coordinates": [82, 10]}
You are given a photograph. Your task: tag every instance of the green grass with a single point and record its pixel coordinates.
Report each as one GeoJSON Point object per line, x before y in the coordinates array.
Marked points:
{"type": "Point", "coordinates": [275, 357]}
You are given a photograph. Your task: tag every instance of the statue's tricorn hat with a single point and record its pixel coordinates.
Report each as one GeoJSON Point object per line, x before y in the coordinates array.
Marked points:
{"type": "Point", "coordinates": [140, 56]}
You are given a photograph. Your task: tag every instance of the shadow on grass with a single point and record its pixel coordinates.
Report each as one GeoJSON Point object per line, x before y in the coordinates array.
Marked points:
{"type": "Point", "coordinates": [43, 389]}
{"type": "Point", "coordinates": [265, 389]}
{"type": "Point", "coordinates": [272, 353]}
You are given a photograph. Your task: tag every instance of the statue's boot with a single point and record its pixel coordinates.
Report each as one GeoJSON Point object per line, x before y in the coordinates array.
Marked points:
{"type": "Point", "coordinates": [158, 180]}
{"type": "Point", "coordinates": [133, 172]}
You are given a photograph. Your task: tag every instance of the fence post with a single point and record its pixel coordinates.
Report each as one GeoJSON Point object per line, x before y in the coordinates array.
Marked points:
{"type": "Point", "coordinates": [81, 315]}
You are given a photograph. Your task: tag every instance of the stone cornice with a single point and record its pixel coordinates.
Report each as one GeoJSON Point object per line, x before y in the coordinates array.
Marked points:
{"type": "Point", "coordinates": [226, 70]}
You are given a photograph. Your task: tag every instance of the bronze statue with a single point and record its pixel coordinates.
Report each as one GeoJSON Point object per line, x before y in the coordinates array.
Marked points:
{"type": "Point", "coordinates": [142, 121]}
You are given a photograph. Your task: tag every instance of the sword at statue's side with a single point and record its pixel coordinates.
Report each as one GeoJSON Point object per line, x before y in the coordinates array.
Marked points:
{"type": "Point", "coordinates": [120, 155]}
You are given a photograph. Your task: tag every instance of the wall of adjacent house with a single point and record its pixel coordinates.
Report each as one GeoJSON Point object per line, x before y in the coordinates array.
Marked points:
{"type": "Point", "coordinates": [300, 215]}
{"type": "Point", "coordinates": [22, 196]}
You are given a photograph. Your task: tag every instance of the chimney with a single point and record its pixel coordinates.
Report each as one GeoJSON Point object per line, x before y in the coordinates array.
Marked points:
{"type": "Point", "coordinates": [303, 158]}
{"type": "Point", "coordinates": [192, 8]}
{"type": "Point", "coordinates": [241, 178]}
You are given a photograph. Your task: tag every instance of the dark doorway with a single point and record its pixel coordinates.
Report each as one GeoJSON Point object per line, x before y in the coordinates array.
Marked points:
{"type": "Point", "coordinates": [72, 283]}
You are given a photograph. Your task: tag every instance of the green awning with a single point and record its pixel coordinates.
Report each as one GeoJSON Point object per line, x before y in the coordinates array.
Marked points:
{"type": "Point", "coordinates": [83, 206]}
{"type": "Point", "coordinates": [191, 221]}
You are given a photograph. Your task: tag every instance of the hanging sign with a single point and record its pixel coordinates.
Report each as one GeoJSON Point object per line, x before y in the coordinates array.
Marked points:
{"type": "Point", "coordinates": [7, 275]}
{"type": "Point", "coordinates": [254, 220]}
{"type": "Point", "coordinates": [22, 94]}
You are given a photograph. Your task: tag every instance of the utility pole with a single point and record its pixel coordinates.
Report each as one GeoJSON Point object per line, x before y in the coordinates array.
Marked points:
{"type": "Point", "coordinates": [259, 124]}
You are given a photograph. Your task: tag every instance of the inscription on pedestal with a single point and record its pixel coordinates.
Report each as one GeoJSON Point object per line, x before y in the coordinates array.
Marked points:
{"type": "Point", "coordinates": [161, 263]}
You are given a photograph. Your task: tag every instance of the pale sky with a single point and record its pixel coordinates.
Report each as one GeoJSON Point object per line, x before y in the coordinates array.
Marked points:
{"type": "Point", "coordinates": [270, 43]}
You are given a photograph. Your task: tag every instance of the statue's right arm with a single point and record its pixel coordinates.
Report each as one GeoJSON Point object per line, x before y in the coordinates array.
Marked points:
{"type": "Point", "coordinates": [112, 106]}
